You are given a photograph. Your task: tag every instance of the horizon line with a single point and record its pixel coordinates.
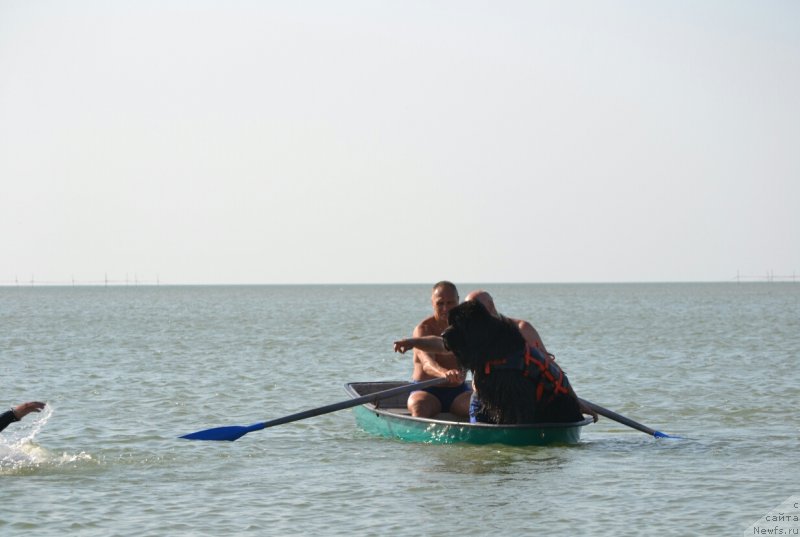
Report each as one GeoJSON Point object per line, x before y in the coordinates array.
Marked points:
{"type": "Point", "coordinates": [153, 283]}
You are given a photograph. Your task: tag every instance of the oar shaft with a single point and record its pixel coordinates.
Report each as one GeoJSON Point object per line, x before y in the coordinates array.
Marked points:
{"type": "Point", "coordinates": [369, 398]}
{"type": "Point", "coordinates": [610, 414]}
{"type": "Point", "coordinates": [235, 432]}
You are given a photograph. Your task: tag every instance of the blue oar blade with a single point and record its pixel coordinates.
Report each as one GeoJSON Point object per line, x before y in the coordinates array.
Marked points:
{"type": "Point", "coordinates": [659, 434]}
{"type": "Point", "coordinates": [235, 432]}
{"type": "Point", "coordinates": [231, 433]}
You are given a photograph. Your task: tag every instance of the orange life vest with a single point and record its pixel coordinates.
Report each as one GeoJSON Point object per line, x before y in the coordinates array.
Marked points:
{"type": "Point", "coordinates": [536, 367]}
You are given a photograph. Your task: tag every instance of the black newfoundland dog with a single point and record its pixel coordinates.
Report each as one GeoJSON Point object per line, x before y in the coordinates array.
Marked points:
{"type": "Point", "coordinates": [515, 384]}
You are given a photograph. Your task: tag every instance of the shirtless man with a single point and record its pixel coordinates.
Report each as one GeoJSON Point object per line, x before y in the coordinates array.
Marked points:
{"type": "Point", "coordinates": [454, 395]}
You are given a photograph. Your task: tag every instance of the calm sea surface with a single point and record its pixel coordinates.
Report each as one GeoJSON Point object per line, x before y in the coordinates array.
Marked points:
{"type": "Point", "coordinates": [126, 370]}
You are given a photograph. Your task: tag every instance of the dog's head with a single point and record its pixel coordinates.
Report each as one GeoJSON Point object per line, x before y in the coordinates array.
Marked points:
{"type": "Point", "coordinates": [475, 335]}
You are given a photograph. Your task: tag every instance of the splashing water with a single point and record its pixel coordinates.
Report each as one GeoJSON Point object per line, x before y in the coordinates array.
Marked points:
{"type": "Point", "coordinates": [25, 431]}
{"type": "Point", "coordinates": [18, 452]}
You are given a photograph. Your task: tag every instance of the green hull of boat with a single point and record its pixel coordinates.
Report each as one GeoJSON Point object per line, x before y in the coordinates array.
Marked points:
{"type": "Point", "coordinates": [390, 420]}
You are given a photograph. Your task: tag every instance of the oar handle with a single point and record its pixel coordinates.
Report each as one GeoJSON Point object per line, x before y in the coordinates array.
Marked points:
{"type": "Point", "coordinates": [369, 398]}
{"type": "Point", "coordinates": [610, 414]}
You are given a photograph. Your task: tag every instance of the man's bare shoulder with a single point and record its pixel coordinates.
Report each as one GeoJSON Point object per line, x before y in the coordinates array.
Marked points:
{"type": "Point", "coordinates": [428, 327]}
{"type": "Point", "coordinates": [530, 334]}
{"type": "Point", "coordinates": [524, 325]}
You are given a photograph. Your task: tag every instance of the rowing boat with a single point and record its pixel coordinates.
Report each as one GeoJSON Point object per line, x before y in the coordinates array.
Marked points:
{"type": "Point", "coordinates": [390, 418]}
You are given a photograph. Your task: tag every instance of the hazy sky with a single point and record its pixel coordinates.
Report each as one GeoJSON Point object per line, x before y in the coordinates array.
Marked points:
{"type": "Point", "coordinates": [406, 141]}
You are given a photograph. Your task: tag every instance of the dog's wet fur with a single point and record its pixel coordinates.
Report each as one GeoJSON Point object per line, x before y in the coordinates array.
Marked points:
{"type": "Point", "coordinates": [475, 336]}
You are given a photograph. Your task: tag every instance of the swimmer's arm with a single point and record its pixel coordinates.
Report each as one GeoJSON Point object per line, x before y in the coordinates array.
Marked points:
{"type": "Point", "coordinates": [19, 412]}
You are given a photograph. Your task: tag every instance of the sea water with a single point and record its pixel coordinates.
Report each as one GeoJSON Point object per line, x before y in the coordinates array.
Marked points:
{"type": "Point", "coordinates": [126, 370]}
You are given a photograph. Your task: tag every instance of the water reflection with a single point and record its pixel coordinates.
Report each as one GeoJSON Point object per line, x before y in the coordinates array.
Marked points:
{"type": "Point", "coordinates": [497, 459]}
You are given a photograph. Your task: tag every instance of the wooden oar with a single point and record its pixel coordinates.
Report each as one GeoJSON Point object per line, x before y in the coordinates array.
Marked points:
{"type": "Point", "coordinates": [625, 421]}
{"type": "Point", "coordinates": [235, 432]}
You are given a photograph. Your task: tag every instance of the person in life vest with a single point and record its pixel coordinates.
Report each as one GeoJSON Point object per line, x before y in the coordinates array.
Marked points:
{"type": "Point", "coordinates": [19, 412]}
{"type": "Point", "coordinates": [515, 382]}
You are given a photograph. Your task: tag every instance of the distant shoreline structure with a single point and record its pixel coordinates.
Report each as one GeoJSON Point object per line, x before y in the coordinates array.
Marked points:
{"type": "Point", "coordinates": [770, 276]}
{"type": "Point", "coordinates": [74, 282]}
